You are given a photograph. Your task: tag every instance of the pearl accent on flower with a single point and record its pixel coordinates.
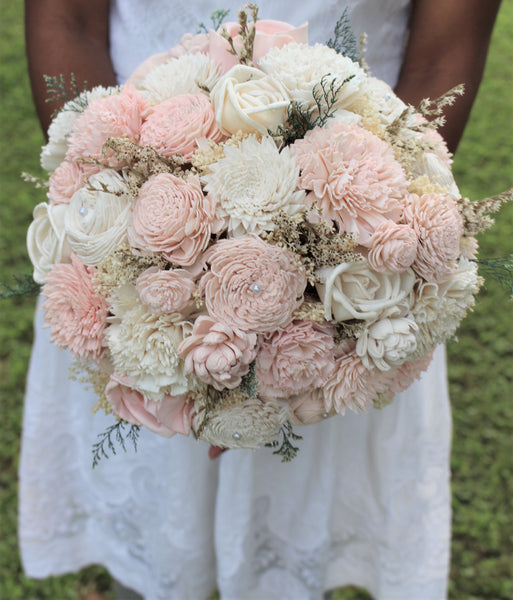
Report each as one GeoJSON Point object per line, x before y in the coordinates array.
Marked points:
{"type": "Point", "coordinates": [255, 288]}
{"type": "Point", "coordinates": [237, 436]}
{"type": "Point", "coordinates": [83, 211]}
{"type": "Point", "coordinates": [325, 415]}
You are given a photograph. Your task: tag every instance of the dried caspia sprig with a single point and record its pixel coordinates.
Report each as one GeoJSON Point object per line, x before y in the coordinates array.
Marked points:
{"type": "Point", "coordinates": [39, 183]}
{"type": "Point", "coordinates": [312, 310]}
{"type": "Point", "coordinates": [433, 110]}
{"type": "Point", "coordinates": [247, 33]}
{"type": "Point", "coordinates": [476, 214]}
{"type": "Point", "coordinates": [213, 152]}
{"type": "Point", "coordinates": [92, 378]}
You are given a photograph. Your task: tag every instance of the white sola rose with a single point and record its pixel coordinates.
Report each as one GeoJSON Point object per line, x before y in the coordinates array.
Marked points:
{"type": "Point", "coordinates": [97, 219]}
{"type": "Point", "coordinates": [300, 68]}
{"type": "Point", "coordinates": [355, 291]}
{"type": "Point", "coordinates": [245, 99]}
{"type": "Point", "coordinates": [46, 240]}
{"type": "Point", "coordinates": [252, 184]}
{"type": "Point", "coordinates": [180, 76]}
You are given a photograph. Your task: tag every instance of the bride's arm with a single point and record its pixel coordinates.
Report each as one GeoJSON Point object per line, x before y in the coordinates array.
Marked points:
{"type": "Point", "coordinates": [448, 44]}
{"type": "Point", "coordinates": [64, 37]}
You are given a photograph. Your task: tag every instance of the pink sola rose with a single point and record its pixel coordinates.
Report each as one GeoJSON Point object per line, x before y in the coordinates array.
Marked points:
{"type": "Point", "coordinates": [392, 246]}
{"type": "Point", "coordinates": [175, 125]}
{"type": "Point", "coordinates": [252, 285]}
{"type": "Point", "coordinates": [436, 220]}
{"type": "Point", "coordinates": [295, 359]}
{"type": "Point", "coordinates": [217, 354]}
{"type": "Point", "coordinates": [75, 312]}
{"type": "Point", "coordinates": [353, 176]}
{"type": "Point", "coordinates": [119, 115]}
{"type": "Point", "coordinates": [68, 178]}
{"type": "Point", "coordinates": [167, 417]}
{"type": "Point", "coordinates": [165, 291]}
{"type": "Point", "coordinates": [269, 34]}
{"type": "Point", "coordinates": [173, 218]}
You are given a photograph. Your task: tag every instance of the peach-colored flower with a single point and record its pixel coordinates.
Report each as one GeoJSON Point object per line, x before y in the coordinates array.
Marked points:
{"type": "Point", "coordinates": [308, 408]}
{"type": "Point", "coordinates": [217, 354]}
{"type": "Point", "coordinates": [67, 179]}
{"type": "Point", "coordinates": [295, 359]}
{"type": "Point", "coordinates": [392, 246]}
{"type": "Point", "coordinates": [171, 217]}
{"type": "Point", "coordinates": [175, 125]}
{"type": "Point", "coordinates": [165, 291]}
{"type": "Point", "coordinates": [75, 312]}
{"type": "Point", "coordinates": [405, 375]}
{"type": "Point", "coordinates": [119, 115]}
{"type": "Point", "coordinates": [252, 285]}
{"type": "Point", "coordinates": [353, 176]}
{"type": "Point", "coordinates": [167, 417]}
{"type": "Point", "coordinates": [437, 222]}
{"type": "Point", "coordinates": [269, 34]}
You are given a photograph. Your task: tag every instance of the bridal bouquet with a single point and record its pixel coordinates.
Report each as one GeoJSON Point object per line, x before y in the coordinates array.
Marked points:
{"type": "Point", "coordinates": [251, 233]}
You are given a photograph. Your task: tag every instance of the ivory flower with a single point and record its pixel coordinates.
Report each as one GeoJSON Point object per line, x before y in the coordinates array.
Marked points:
{"type": "Point", "coordinates": [253, 183]}
{"type": "Point", "coordinates": [67, 179]}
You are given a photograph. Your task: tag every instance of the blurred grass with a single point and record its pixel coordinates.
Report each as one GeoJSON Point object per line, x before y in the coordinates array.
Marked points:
{"type": "Point", "coordinates": [481, 372]}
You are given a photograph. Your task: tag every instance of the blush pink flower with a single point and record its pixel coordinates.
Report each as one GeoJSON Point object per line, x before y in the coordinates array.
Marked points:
{"type": "Point", "coordinates": [67, 179]}
{"type": "Point", "coordinates": [352, 176]}
{"type": "Point", "coordinates": [295, 359]}
{"type": "Point", "coordinates": [119, 115]}
{"type": "Point", "coordinates": [75, 312]}
{"type": "Point", "coordinates": [393, 247]}
{"type": "Point", "coordinates": [217, 354]}
{"type": "Point", "coordinates": [167, 417]}
{"type": "Point", "coordinates": [175, 125]}
{"type": "Point", "coordinates": [269, 34]}
{"type": "Point", "coordinates": [308, 408]}
{"type": "Point", "coordinates": [165, 291]}
{"type": "Point", "coordinates": [437, 222]}
{"type": "Point", "coordinates": [252, 285]}
{"type": "Point", "coordinates": [171, 217]}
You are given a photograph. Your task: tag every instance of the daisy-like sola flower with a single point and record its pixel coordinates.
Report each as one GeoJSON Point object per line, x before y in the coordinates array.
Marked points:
{"type": "Point", "coordinates": [247, 424]}
{"type": "Point", "coordinates": [352, 176]}
{"type": "Point", "coordinates": [175, 125]}
{"type": "Point", "coordinates": [436, 220]}
{"type": "Point", "coordinates": [300, 68]}
{"type": "Point", "coordinates": [67, 179]}
{"type": "Point", "coordinates": [165, 291]}
{"type": "Point", "coordinates": [252, 184]}
{"type": "Point", "coordinates": [97, 218]}
{"type": "Point", "coordinates": [120, 115]}
{"type": "Point", "coordinates": [144, 346]}
{"type": "Point", "coordinates": [167, 417]}
{"type": "Point", "coordinates": [217, 354]}
{"type": "Point", "coordinates": [252, 285]}
{"type": "Point", "coordinates": [172, 217]}
{"type": "Point", "coordinates": [75, 312]}
{"type": "Point", "coordinates": [180, 76]}
{"type": "Point", "coordinates": [295, 359]}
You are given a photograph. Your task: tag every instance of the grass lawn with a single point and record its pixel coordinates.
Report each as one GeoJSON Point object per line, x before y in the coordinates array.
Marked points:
{"type": "Point", "coordinates": [481, 371]}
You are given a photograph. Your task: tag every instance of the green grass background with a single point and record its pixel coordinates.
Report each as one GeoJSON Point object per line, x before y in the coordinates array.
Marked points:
{"type": "Point", "coordinates": [481, 369]}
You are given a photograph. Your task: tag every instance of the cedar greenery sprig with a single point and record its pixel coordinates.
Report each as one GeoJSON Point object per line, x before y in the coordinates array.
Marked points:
{"type": "Point", "coordinates": [24, 285]}
{"type": "Point", "coordinates": [284, 447]}
{"type": "Point", "coordinates": [500, 269]}
{"type": "Point", "coordinates": [217, 17]}
{"type": "Point", "coordinates": [58, 91]}
{"type": "Point", "coordinates": [115, 437]}
{"type": "Point", "coordinates": [344, 41]}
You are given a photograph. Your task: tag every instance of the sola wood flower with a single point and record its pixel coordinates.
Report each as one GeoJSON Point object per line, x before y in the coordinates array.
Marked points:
{"type": "Point", "coordinates": [74, 311]}
{"type": "Point", "coordinates": [165, 291]}
{"type": "Point", "coordinates": [252, 285]}
{"type": "Point", "coordinates": [392, 246]}
{"type": "Point", "coordinates": [67, 179]}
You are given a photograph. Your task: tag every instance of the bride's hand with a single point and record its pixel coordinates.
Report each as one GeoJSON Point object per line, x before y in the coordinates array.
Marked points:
{"type": "Point", "coordinates": [215, 451]}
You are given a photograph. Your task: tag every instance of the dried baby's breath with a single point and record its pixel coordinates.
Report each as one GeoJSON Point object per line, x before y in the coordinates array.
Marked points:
{"type": "Point", "coordinates": [92, 378]}
{"type": "Point", "coordinates": [476, 214]}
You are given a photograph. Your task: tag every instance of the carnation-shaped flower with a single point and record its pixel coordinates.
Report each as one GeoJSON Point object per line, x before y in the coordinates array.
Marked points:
{"type": "Point", "coordinates": [242, 424]}
{"type": "Point", "coordinates": [218, 354]}
{"type": "Point", "coordinates": [301, 68]}
{"type": "Point", "coordinates": [392, 246]}
{"type": "Point", "coordinates": [120, 115]}
{"type": "Point", "coordinates": [295, 359]}
{"type": "Point", "coordinates": [247, 100]}
{"type": "Point", "coordinates": [97, 218]}
{"type": "Point", "coordinates": [165, 291]}
{"type": "Point", "coordinates": [46, 239]}
{"type": "Point", "coordinates": [352, 176]}
{"type": "Point", "coordinates": [171, 217]}
{"type": "Point", "coordinates": [175, 125]}
{"type": "Point", "coordinates": [408, 372]}
{"type": "Point", "coordinates": [308, 408]}
{"type": "Point", "coordinates": [437, 222]}
{"type": "Point", "coordinates": [268, 34]}
{"type": "Point", "coordinates": [252, 184]}
{"type": "Point", "coordinates": [179, 76]}
{"type": "Point", "coordinates": [355, 291]}
{"type": "Point", "coordinates": [144, 346]}
{"type": "Point", "coordinates": [167, 417]}
{"type": "Point", "coordinates": [67, 179]}
{"type": "Point", "coordinates": [75, 312]}
{"type": "Point", "coordinates": [387, 343]}
{"type": "Point", "coordinates": [252, 285]}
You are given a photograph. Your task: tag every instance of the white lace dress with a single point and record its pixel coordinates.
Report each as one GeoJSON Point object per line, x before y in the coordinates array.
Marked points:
{"type": "Point", "coordinates": [366, 501]}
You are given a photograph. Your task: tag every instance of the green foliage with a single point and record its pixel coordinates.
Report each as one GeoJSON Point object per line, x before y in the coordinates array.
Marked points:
{"type": "Point", "coordinates": [24, 285]}
{"type": "Point", "coordinates": [58, 91]}
{"type": "Point", "coordinates": [344, 41]}
{"type": "Point", "coordinates": [284, 446]}
{"type": "Point", "coordinates": [500, 269]}
{"type": "Point", "coordinates": [217, 18]}
{"type": "Point", "coordinates": [114, 437]}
